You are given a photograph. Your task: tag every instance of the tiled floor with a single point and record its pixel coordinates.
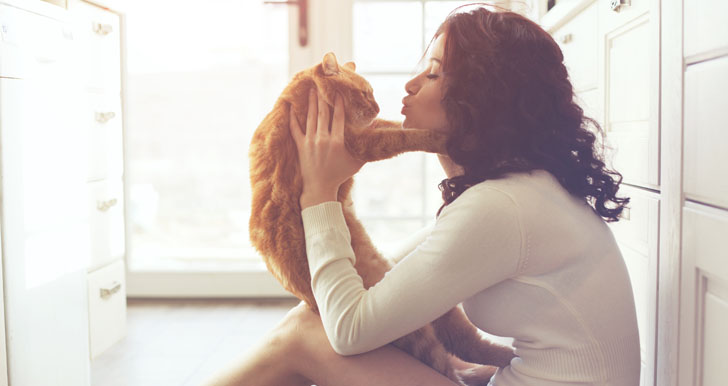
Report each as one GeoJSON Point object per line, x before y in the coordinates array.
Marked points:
{"type": "Point", "coordinates": [183, 342]}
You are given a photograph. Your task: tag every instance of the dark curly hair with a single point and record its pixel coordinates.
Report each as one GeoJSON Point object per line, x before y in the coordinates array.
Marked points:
{"type": "Point", "coordinates": [510, 104]}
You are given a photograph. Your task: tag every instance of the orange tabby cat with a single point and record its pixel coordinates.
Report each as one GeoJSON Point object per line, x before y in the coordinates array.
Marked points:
{"type": "Point", "coordinates": [276, 228]}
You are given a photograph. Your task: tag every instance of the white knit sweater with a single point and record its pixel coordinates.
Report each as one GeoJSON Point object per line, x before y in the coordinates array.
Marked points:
{"type": "Point", "coordinates": [526, 260]}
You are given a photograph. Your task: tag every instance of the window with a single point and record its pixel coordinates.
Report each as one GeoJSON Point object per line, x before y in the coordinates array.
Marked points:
{"type": "Point", "coordinates": [396, 197]}
{"type": "Point", "coordinates": [200, 78]}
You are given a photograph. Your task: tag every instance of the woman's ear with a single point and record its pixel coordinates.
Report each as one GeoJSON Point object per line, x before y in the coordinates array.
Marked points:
{"type": "Point", "coordinates": [329, 64]}
{"type": "Point", "coordinates": [350, 65]}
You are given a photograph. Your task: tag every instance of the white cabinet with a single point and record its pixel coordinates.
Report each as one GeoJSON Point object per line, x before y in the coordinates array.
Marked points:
{"type": "Point", "coordinates": [99, 59]}
{"type": "Point", "coordinates": [612, 55]}
{"type": "Point", "coordinates": [45, 240]}
{"type": "Point", "coordinates": [62, 201]}
{"type": "Point", "coordinates": [703, 307]}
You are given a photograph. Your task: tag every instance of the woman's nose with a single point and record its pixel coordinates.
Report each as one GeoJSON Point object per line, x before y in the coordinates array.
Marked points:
{"type": "Point", "coordinates": [411, 87]}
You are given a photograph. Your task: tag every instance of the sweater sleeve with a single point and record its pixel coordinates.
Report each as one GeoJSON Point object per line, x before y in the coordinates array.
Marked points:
{"type": "Point", "coordinates": [409, 244]}
{"type": "Point", "coordinates": [476, 242]}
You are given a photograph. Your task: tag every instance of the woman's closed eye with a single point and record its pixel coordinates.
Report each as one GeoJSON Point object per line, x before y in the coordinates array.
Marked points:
{"type": "Point", "coordinates": [432, 76]}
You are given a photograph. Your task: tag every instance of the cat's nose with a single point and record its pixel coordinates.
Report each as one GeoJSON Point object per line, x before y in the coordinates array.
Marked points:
{"type": "Point", "coordinates": [376, 107]}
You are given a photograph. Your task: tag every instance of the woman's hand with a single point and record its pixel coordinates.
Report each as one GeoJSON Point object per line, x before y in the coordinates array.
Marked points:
{"type": "Point", "coordinates": [325, 161]}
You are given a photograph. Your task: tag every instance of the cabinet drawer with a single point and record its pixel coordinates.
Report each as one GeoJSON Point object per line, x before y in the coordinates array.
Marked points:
{"type": "Point", "coordinates": [106, 306]}
{"type": "Point", "coordinates": [33, 45]}
{"type": "Point", "coordinates": [99, 47]}
{"type": "Point", "coordinates": [706, 28]}
{"type": "Point", "coordinates": [629, 122]}
{"type": "Point", "coordinates": [578, 42]}
{"type": "Point", "coordinates": [106, 222]}
{"type": "Point", "coordinates": [637, 235]}
{"type": "Point", "coordinates": [103, 122]}
{"type": "Point", "coordinates": [610, 19]}
{"type": "Point", "coordinates": [705, 135]}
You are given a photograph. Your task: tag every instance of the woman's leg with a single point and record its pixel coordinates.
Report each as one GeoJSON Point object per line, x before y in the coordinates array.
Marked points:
{"type": "Point", "coordinates": [297, 352]}
{"type": "Point", "coordinates": [270, 362]}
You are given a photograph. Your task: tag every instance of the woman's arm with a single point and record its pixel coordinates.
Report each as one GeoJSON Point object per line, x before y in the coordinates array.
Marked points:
{"type": "Point", "coordinates": [476, 243]}
{"type": "Point", "coordinates": [409, 244]}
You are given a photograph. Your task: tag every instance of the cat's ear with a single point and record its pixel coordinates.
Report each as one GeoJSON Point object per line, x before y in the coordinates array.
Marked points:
{"type": "Point", "coordinates": [350, 65]}
{"type": "Point", "coordinates": [329, 64]}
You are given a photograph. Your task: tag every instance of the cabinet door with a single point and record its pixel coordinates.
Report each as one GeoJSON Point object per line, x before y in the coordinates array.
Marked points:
{"type": "Point", "coordinates": [704, 297]}
{"type": "Point", "coordinates": [45, 240]}
{"type": "Point", "coordinates": [630, 81]}
{"type": "Point", "coordinates": [637, 235]}
{"type": "Point", "coordinates": [706, 29]}
{"type": "Point", "coordinates": [704, 132]}
{"type": "Point", "coordinates": [578, 42]}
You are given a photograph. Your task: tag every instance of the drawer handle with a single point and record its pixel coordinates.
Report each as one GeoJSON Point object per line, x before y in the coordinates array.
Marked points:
{"type": "Point", "coordinates": [105, 117]}
{"type": "Point", "coordinates": [566, 39]}
{"type": "Point", "coordinates": [625, 215]}
{"type": "Point", "coordinates": [102, 29]}
{"type": "Point", "coordinates": [103, 206]}
{"type": "Point", "coordinates": [618, 4]}
{"type": "Point", "coordinates": [107, 292]}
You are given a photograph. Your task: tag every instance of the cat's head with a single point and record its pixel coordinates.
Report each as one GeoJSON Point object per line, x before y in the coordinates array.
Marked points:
{"type": "Point", "coordinates": [359, 103]}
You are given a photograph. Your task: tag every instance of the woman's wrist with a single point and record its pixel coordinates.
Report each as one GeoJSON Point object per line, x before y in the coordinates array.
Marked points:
{"type": "Point", "coordinates": [311, 198]}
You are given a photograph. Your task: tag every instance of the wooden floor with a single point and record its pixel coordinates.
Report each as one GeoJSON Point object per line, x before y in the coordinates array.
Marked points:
{"type": "Point", "coordinates": [183, 342]}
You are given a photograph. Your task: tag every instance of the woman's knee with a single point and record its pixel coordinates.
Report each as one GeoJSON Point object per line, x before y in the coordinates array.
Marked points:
{"type": "Point", "coordinates": [300, 331]}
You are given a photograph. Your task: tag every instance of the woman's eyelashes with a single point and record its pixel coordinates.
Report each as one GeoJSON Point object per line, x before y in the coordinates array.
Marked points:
{"type": "Point", "coordinates": [432, 76]}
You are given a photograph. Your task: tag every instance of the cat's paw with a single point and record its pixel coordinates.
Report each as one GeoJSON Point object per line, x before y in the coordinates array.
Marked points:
{"type": "Point", "coordinates": [478, 375]}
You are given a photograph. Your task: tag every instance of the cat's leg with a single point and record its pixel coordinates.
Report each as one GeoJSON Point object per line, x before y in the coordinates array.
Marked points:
{"type": "Point", "coordinates": [377, 123]}
{"type": "Point", "coordinates": [382, 143]}
{"type": "Point", "coordinates": [462, 338]}
{"type": "Point", "coordinates": [423, 345]}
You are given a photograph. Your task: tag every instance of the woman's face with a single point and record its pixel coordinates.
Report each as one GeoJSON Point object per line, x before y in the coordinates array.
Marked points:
{"type": "Point", "coordinates": [422, 105]}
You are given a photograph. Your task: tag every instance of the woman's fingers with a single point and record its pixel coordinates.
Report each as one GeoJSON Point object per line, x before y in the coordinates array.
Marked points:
{"type": "Point", "coordinates": [294, 126]}
{"type": "Point", "coordinates": [322, 130]}
{"type": "Point", "coordinates": [311, 117]}
{"type": "Point", "coordinates": [337, 126]}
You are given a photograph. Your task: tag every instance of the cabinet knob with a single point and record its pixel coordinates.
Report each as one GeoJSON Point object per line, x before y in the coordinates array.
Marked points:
{"type": "Point", "coordinates": [103, 206]}
{"type": "Point", "coordinates": [618, 4]}
{"type": "Point", "coordinates": [102, 29]}
{"type": "Point", "coordinates": [105, 117]}
{"type": "Point", "coordinates": [566, 39]}
{"type": "Point", "coordinates": [107, 292]}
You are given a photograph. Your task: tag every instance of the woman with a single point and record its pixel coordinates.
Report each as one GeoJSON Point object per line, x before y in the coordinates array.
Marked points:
{"type": "Point", "coordinates": [520, 241]}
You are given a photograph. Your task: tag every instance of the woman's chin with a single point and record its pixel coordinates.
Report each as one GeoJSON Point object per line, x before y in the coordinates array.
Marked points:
{"type": "Point", "coordinates": [407, 123]}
